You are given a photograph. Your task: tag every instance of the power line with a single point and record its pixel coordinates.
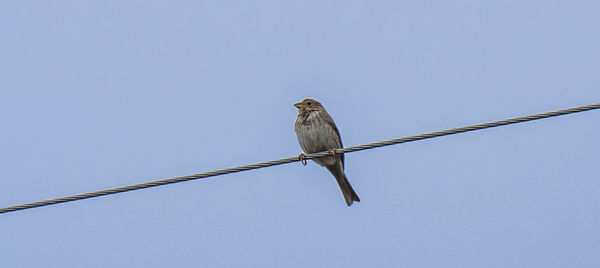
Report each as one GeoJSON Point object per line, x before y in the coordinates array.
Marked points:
{"type": "Point", "coordinates": [295, 158]}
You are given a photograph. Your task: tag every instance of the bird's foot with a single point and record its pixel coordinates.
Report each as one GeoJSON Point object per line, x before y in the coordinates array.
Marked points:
{"type": "Point", "coordinates": [332, 151]}
{"type": "Point", "coordinates": [302, 158]}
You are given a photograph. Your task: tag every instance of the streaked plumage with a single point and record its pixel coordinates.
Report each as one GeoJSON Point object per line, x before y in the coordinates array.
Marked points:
{"type": "Point", "coordinates": [317, 132]}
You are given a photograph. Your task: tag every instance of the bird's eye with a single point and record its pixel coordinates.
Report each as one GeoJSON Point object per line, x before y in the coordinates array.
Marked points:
{"type": "Point", "coordinates": [309, 103]}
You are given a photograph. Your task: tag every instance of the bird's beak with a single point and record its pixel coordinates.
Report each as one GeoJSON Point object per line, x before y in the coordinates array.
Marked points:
{"type": "Point", "coordinates": [298, 105]}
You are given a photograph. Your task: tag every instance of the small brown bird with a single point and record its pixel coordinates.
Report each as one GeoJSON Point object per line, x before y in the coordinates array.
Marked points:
{"type": "Point", "coordinates": [317, 132]}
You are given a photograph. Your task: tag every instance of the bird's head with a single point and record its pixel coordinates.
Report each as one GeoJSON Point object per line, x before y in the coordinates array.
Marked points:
{"type": "Point", "coordinates": [307, 105]}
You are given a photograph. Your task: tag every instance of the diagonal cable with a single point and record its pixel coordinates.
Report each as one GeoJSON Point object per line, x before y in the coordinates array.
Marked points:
{"type": "Point", "coordinates": [295, 158]}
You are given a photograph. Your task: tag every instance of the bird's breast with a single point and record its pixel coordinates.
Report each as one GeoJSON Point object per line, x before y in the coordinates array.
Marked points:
{"type": "Point", "coordinates": [314, 134]}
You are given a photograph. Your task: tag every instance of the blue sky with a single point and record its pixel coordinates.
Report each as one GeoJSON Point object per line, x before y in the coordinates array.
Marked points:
{"type": "Point", "coordinates": [101, 94]}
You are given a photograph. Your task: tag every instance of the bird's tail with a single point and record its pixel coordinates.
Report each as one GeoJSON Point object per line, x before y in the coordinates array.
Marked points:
{"type": "Point", "coordinates": [349, 193]}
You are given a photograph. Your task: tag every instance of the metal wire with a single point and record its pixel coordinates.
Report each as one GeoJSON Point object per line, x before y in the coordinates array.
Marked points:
{"type": "Point", "coordinates": [295, 158]}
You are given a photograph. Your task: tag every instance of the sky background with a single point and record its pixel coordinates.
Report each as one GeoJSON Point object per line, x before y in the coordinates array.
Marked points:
{"type": "Point", "coordinates": [102, 94]}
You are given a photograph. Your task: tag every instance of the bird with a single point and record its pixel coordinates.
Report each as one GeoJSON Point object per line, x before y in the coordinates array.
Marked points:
{"type": "Point", "coordinates": [316, 132]}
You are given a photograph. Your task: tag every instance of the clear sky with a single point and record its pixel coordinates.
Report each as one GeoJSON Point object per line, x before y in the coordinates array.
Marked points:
{"type": "Point", "coordinates": [101, 94]}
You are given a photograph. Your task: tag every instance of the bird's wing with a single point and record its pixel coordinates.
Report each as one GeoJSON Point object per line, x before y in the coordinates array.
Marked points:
{"type": "Point", "coordinates": [337, 132]}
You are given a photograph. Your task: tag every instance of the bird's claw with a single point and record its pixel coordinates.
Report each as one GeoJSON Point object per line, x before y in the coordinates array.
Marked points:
{"type": "Point", "coordinates": [332, 151]}
{"type": "Point", "coordinates": [302, 158]}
